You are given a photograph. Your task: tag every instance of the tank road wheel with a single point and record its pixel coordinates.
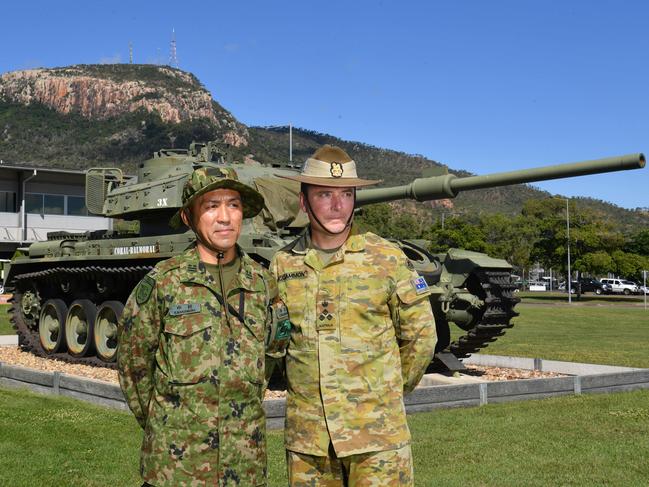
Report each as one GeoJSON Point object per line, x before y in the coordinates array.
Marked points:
{"type": "Point", "coordinates": [79, 328]}
{"type": "Point", "coordinates": [51, 326]}
{"type": "Point", "coordinates": [106, 329]}
{"type": "Point", "coordinates": [30, 305]}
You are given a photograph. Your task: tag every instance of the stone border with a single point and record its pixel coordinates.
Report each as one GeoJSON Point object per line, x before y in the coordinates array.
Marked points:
{"type": "Point", "coordinates": [592, 379]}
{"type": "Point", "coordinates": [8, 340]}
{"type": "Point", "coordinates": [569, 368]}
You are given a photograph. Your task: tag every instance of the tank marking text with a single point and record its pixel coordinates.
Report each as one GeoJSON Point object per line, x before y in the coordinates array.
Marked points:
{"type": "Point", "coordinates": [136, 249]}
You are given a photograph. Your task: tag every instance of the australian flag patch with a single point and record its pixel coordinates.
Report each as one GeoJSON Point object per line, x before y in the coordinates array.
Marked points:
{"type": "Point", "coordinates": [420, 285]}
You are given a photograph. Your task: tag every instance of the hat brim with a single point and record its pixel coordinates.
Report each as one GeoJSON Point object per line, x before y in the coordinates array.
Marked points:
{"type": "Point", "coordinates": [334, 182]}
{"type": "Point", "coordinates": [252, 201]}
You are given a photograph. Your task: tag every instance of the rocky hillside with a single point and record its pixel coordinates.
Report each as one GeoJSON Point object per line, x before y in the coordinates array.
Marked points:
{"type": "Point", "coordinates": [88, 115]}
{"type": "Point", "coordinates": [139, 106]}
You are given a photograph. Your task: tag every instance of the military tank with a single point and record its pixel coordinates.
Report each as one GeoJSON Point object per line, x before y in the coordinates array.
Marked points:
{"type": "Point", "coordinates": [69, 291]}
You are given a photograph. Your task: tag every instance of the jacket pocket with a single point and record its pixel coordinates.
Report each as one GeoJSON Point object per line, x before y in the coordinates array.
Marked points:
{"type": "Point", "coordinates": [300, 301]}
{"type": "Point", "coordinates": [188, 355]}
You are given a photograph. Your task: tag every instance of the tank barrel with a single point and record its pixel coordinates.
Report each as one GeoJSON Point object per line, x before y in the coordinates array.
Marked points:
{"type": "Point", "coordinates": [448, 186]}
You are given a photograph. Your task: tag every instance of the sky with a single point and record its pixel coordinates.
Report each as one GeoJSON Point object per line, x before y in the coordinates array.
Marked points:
{"type": "Point", "coordinates": [482, 86]}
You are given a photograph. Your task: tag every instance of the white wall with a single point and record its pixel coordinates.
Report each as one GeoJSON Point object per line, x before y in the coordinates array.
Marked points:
{"type": "Point", "coordinates": [39, 225]}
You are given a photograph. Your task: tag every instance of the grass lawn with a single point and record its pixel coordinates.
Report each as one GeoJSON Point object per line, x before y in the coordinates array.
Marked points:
{"type": "Point", "coordinates": [611, 334]}
{"type": "Point", "coordinates": [5, 325]}
{"type": "Point", "coordinates": [582, 440]}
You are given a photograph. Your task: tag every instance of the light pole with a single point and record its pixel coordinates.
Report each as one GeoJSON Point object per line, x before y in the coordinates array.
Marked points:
{"type": "Point", "coordinates": [290, 143]}
{"type": "Point", "coordinates": [568, 235]}
{"type": "Point", "coordinates": [644, 285]}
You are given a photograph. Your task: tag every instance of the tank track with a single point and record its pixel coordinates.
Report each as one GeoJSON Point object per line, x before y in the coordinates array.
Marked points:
{"type": "Point", "coordinates": [497, 293]}
{"type": "Point", "coordinates": [492, 285]}
{"type": "Point", "coordinates": [124, 278]}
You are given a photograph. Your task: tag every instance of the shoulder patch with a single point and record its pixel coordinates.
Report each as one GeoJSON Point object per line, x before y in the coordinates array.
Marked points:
{"type": "Point", "coordinates": [419, 284]}
{"type": "Point", "coordinates": [144, 290]}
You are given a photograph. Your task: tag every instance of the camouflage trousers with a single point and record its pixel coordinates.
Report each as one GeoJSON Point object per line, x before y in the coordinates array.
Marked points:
{"type": "Point", "coordinates": [374, 469]}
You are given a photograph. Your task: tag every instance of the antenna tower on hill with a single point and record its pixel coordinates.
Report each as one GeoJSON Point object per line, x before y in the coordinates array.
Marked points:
{"type": "Point", "coordinates": [173, 59]}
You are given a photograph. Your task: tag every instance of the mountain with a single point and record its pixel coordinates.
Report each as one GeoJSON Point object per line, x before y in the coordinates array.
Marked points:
{"type": "Point", "coordinates": [80, 116]}
{"type": "Point", "coordinates": [119, 114]}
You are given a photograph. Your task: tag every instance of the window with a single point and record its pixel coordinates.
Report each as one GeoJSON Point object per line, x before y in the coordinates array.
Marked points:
{"type": "Point", "coordinates": [7, 201]}
{"type": "Point", "coordinates": [55, 204]}
{"type": "Point", "coordinates": [34, 203]}
{"type": "Point", "coordinates": [77, 206]}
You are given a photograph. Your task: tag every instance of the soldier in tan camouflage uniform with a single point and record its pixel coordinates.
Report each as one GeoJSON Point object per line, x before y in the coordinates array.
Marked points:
{"type": "Point", "coordinates": [192, 368]}
{"type": "Point", "coordinates": [362, 335]}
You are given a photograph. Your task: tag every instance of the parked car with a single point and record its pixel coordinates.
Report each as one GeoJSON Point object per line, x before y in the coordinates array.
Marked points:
{"type": "Point", "coordinates": [589, 285]}
{"type": "Point", "coordinates": [621, 286]}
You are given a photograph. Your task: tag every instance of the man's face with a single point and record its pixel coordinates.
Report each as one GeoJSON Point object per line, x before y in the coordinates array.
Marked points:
{"type": "Point", "coordinates": [217, 217]}
{"type": "Point", "coordinates": [333, 206]}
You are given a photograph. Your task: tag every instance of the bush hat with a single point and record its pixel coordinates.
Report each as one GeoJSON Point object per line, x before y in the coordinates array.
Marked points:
{"type": "Point", "coordinates": [208, 178]}
{"type": "Point", "coordinates": [330, 166]}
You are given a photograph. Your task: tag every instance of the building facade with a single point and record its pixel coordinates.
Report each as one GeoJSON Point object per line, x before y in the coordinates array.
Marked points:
{"type": "Point", "coordinates": [35, 201]}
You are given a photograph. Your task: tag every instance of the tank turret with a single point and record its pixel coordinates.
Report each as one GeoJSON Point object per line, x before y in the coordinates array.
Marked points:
{"type": "Point", "coordinates": [69, 291]}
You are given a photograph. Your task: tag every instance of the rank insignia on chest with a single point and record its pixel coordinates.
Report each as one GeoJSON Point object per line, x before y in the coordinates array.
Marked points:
{"type": "Point", "coordinates": [419, 284]}
{"type": "Point", "coordinates": [184, 309]}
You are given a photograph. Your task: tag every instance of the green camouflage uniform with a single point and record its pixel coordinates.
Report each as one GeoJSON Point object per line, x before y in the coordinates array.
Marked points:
{"type": "Point", "coordinates": [362, 335]}
{"type": "Point", "coordinates": [193, 379]}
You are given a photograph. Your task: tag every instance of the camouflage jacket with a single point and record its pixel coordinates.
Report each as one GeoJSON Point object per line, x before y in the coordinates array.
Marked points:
{"type": "Point", "coordinates": [363, 332]}
{"type": "Point", "coordinates": [195, 379]}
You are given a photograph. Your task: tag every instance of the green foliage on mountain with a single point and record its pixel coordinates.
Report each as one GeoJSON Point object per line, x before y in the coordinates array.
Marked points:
{"type": "Point", "coordinates": [35, 135]}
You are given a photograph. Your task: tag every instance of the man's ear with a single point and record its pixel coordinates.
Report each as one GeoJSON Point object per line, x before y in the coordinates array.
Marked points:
{"type": "Point", "coordinates": [186, 217]}
{"type": "Point", "coordinates": [303, 202]}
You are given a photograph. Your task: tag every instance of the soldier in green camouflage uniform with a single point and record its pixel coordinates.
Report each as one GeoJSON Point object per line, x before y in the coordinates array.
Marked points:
{"type": "Point", "coordinates": [191, 368]}
{"type": "Point", "coordinates": [362, 335]}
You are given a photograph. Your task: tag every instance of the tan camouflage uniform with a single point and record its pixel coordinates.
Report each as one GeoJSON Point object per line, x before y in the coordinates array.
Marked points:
{"type": "Point", "coordinates": [362, 335]}
{"type": "Point", "coordinates": [193, 379]}
{"type": "Point", "coordinates": [389, 468]}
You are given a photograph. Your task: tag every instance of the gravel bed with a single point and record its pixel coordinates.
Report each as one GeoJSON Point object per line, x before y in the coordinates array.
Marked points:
{"type": "Point", "coordinates": [15, 356]}
{"type": "Point", "coordinates": [499, 373]}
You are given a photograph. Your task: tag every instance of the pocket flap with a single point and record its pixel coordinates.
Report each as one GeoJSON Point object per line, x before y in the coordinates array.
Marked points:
{"type": "Point", "coordinates": [186, 324]}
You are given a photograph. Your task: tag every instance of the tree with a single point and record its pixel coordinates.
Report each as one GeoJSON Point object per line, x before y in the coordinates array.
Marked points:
{"type": "Point", "coordinates": [595, 263]}
{"type": "Point", "coordinates": [589, 232]}
{"type": "Point", "coordinates": [458, 232]}
{"type": "Point", "coordinates": [638, 243]}
{"type": "Point", "coordinates": [382, 219]}
{"type": "Point", "coordinates": [629, 265]}
{"type": "Point", "coordinates": [508, 238]}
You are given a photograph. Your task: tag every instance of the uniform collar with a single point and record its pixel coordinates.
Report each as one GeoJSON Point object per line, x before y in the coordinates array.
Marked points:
{"type": "Point", "coordinates": [355, 243]}
{"type": "Point", "coordinates": [193, 270]}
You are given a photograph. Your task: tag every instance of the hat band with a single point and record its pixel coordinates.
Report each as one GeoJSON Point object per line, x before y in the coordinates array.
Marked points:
{"type": "Point", "coordinates": [331, 170]}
